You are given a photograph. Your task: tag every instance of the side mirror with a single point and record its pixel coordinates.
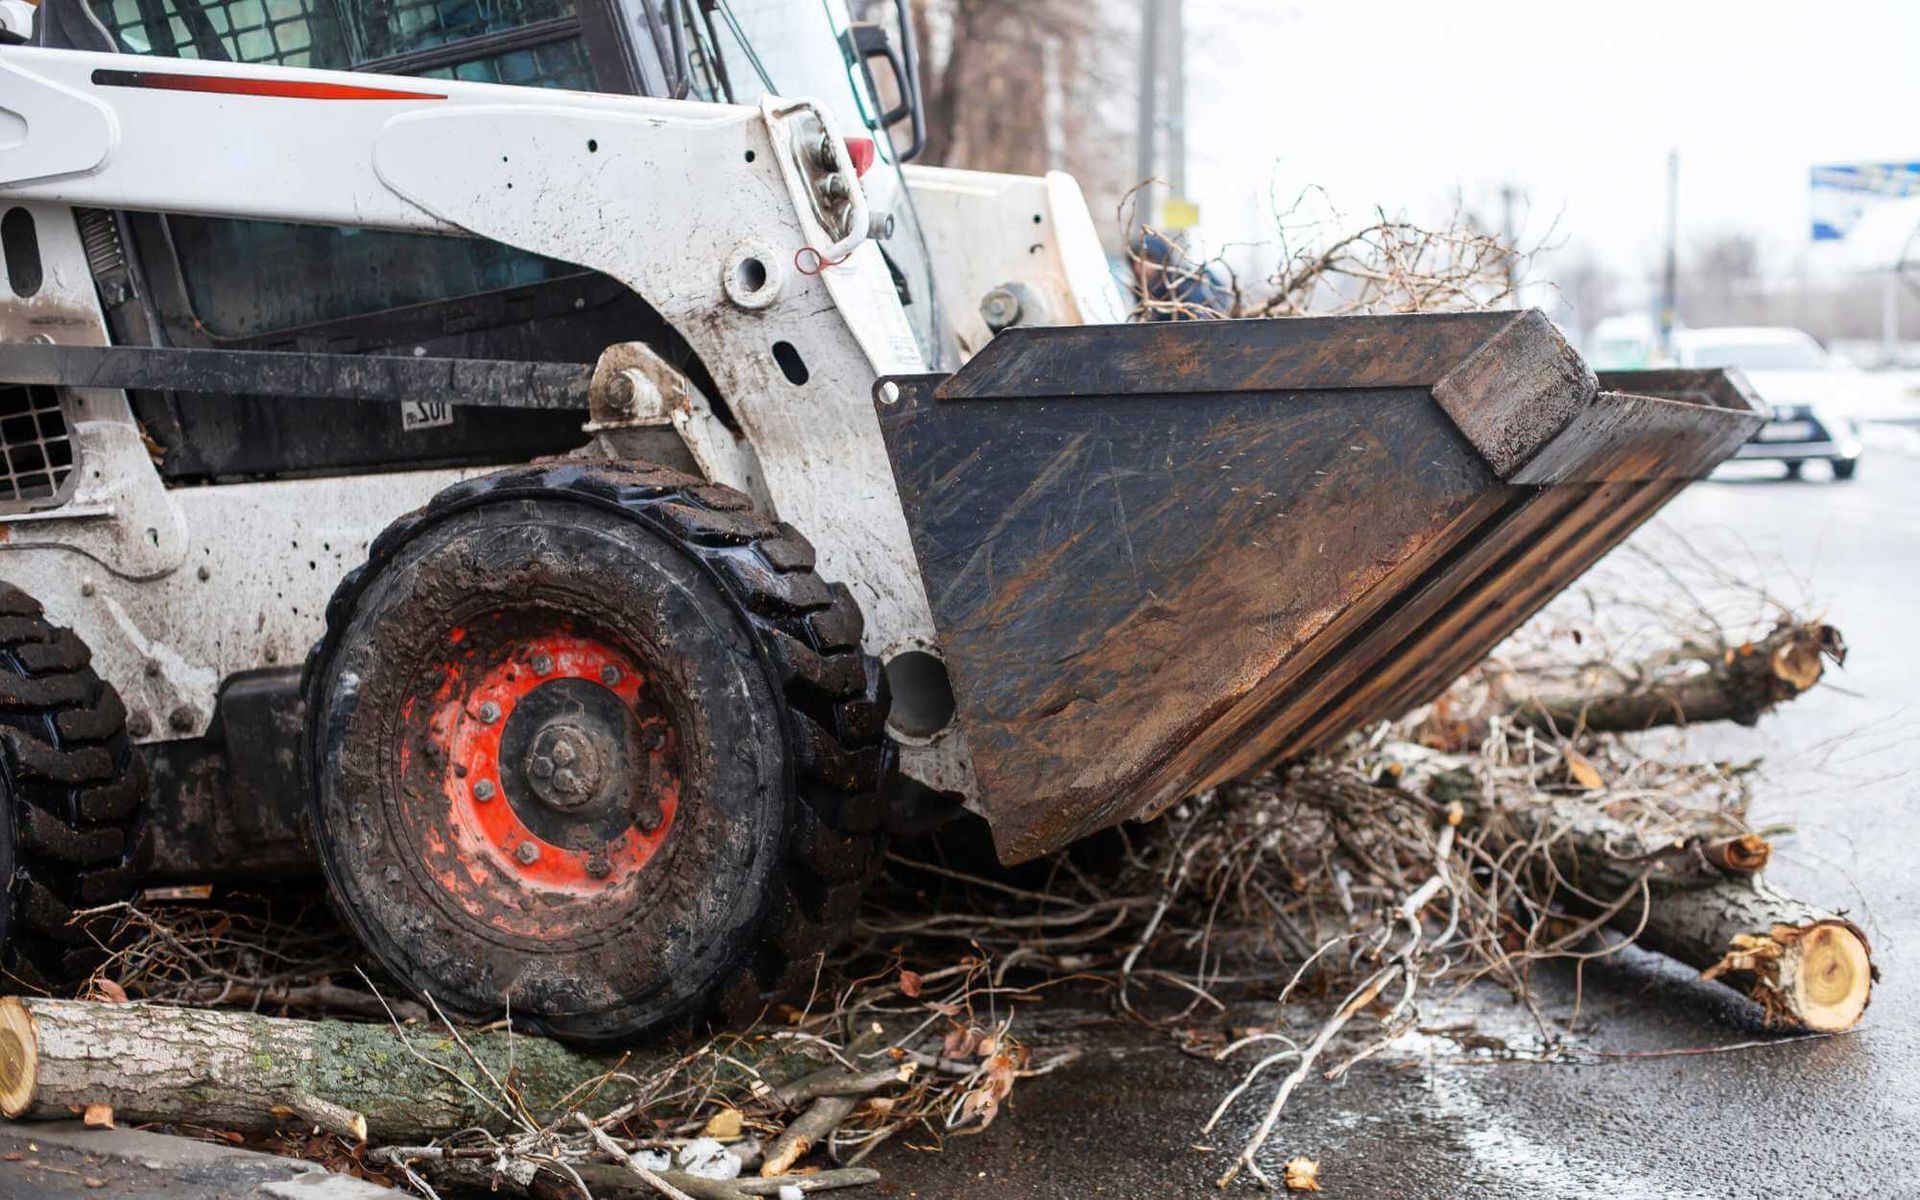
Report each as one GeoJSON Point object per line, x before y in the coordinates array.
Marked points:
{"type": "Point", "coordinates": [865, 41]}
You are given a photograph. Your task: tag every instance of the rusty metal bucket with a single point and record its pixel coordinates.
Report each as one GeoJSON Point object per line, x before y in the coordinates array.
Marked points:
{"type": "Point", "coordinates": [1163, 555]}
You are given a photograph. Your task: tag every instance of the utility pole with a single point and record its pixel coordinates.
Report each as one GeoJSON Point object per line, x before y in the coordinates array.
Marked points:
{"type": "Point", "coordinates": [1053, 104]}
{"type": "Point", "coordinates": [1172, 213]}
{"type": "Point", "coordinates": [1670, 281]}
{"type": "Point", "coordinates": [1149, 114]}
{"type": "Point", "coordinates": [1176, 99]}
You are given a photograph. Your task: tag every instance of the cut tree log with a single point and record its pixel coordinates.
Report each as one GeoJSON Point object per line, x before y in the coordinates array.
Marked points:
{"type": "Point", "coordinates": [1746, 682]}
{"type": "Point", "coordinates": [232, 1070]}
{"type": "Point", "coordinates": [1806, 968]}
{"type": "Point", "coordinates": [1746, 854]}
{"type": "Point", "coordinates": [239, 1071]}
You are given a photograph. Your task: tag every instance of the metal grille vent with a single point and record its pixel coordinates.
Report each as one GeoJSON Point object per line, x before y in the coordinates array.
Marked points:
{"type": "Point", "coordinates": [36, 446]}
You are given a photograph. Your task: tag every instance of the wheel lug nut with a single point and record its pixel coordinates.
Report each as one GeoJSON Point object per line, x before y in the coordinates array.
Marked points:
{"type": "Point", "coordinates": [541, 664]}
{"type": "Point", "coordinates": [528, 853]}
{"type": "Point", "coordinates": [541, 767]}
{"type": "Point", "coordinates": [610, 675]}
{"type": "Point", "coordinates": [483, 790]}
{"type": "Point", "coordinates": [489, 712]}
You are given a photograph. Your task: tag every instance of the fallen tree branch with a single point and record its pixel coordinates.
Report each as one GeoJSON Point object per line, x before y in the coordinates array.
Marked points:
{"type": "Point", "coordinates": [240, 1071]}
{"type": "Point", "coordinates": [1404, 966]}
{"type": "Point", "coordinates": [807, 1130]}
{"type": "Point", "coordinates": [1806, 968]}
{"type": "Point", "coordinates": [1741, 686]}
{"type": "Point", "coordinates": [836, 1081]}
{"type": "Point", "coordinates": [325, 1114]}
{"type": "Point", "coordinates": [507, 1176]}
{"type": "Point", "coordinates": [1747, 854]}
{"type": "Point", "coordinates": [621, 1158]}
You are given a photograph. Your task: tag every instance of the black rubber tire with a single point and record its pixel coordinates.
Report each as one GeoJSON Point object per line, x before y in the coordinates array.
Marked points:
{"type": "Point", "coordinates": [1795, 468]}
{"type": "Point", "coordinates": [72, 801]}
{"type": "Point", "coordinates": [1843, 468]}
{"type": "Point", "coordinates": [816, 835]}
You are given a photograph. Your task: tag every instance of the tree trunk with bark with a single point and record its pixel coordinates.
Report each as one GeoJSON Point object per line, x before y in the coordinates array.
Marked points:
{"type": "Point", "coordinates": [1746, 682]}
{"type": "Point", "coordinates": [239, 1071]}
{"type": "Point", "coordinates": [1704, 905]}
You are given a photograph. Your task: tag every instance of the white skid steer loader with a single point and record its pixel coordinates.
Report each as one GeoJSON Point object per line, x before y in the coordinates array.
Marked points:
{"type": "Point", "coordinates": [527, 370]}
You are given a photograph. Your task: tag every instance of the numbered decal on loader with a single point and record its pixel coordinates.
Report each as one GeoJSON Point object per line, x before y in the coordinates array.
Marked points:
{"type": "Point", "coordinates": [425, 414]}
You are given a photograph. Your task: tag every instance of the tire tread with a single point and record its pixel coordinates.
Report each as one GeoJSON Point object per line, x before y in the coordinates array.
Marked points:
{"type": "Point", "coordinates": [76, 790]}
{"type": "Point", "coordinates": [810, 632]}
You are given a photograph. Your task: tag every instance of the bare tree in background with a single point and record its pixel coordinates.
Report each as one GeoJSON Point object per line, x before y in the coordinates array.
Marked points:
{"type": "Point", "coordinates": [1726, 280]}
{"type": "Point", "coordinates": [1720, 278]}
{"type": "Point", "coordinates": [1589, 289]}
{"type": "Point", "coordinates": [984, 78]}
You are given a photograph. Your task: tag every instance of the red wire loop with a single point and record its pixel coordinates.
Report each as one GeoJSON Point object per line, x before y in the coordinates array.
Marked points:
{"type": "Point", "coordinates": [820, 261]}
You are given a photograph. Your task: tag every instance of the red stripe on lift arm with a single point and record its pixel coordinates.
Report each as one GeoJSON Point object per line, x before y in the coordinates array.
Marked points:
{"type": "Point", "coordinates": [228, 85]}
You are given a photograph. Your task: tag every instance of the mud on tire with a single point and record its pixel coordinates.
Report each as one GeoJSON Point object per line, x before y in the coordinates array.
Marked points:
{"type": "Point", "coordinates": [792, 886]}
{"type": "Point", "coordinates": [72, 801]}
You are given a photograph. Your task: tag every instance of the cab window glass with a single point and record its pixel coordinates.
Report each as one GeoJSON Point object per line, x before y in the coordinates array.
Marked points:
{"type": "Point", "coordinates": [330, 34]}
{"type": "Point", "coordinates": [247, 279]}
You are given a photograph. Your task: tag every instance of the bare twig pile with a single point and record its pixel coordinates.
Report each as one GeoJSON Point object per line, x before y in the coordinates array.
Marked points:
{"type": "Point", "coordinates": [244, 953]}
{"type": "Point", "coordinates": [933, 1053]}
{"type": "Point", "coordinates": [738, 1114]}
{"type": "Point", "coordinates": [1506, 826]}
{"type": "Point", "coordinates": [1329, 265]}
{"type": "Point", "coordinates": [1339, 902]}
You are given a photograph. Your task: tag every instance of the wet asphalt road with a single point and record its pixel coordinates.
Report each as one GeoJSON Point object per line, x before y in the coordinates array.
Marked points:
{"type": "Point", "coordinates": [1835, 1117]}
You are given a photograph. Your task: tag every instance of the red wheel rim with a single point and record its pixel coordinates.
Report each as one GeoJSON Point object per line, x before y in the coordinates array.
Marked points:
{"type": "Point", "coordinates": [539, 795]}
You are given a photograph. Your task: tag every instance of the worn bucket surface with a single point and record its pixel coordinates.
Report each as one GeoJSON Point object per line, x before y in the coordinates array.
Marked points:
{"type": "Point", "coordinates": [1163, 555]}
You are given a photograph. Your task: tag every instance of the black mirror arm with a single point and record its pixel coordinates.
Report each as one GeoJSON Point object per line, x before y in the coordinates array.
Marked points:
{"type": "Point", "coordinates": [863, 42]}
{"type": "Point", "coordinates": [910, 51]}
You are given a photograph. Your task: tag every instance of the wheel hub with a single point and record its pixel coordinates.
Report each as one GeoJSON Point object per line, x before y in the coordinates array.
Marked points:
{"type": "Point", "coordinates": [563, 766]}
{"type": "Point", "coordinates": [573, 758]}
{"type": "Point", "coordinates": [567, 766]}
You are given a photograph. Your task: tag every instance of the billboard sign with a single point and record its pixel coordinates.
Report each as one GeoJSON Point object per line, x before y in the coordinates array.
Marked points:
{"type": "Point", "coordinates": [1842, 192]}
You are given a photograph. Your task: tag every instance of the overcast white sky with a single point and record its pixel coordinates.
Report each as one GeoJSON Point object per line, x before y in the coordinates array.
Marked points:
{"type": "Point", "coordinates": [1400, 102]}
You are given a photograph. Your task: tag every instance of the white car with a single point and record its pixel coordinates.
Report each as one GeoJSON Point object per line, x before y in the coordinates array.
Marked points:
{"type": "Point", "coordinates": [1809, 390]}
{"type": "Point", "coordinates": [1630, 342]}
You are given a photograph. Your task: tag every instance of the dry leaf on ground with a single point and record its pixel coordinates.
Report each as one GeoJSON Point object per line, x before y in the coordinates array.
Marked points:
{"type": "Point", "coordinates": [1303, 1174]}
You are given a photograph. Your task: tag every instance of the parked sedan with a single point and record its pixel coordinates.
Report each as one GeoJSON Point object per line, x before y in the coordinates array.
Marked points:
{"type": "Point", "coordinates": [1810, 392]}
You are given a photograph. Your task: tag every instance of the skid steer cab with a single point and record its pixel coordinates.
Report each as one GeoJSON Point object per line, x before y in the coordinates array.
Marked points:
{"type": "Point", "coordinates": [558, 469]}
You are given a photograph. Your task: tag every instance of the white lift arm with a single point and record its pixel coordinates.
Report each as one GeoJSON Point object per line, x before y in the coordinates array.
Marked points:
{"type": "Point", "coordinates": [388, 152]}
